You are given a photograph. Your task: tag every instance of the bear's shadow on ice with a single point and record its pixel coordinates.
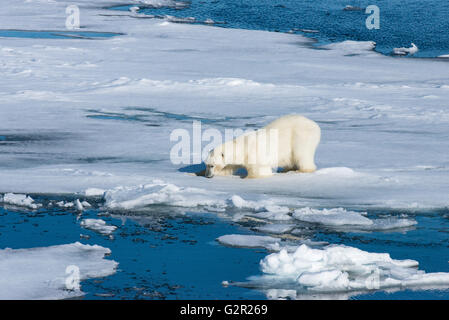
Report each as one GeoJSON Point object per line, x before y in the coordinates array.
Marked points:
{"type": "Point", "coordinates": [197, 169]}
{"type": "Point", "coordinates": [200, 170]}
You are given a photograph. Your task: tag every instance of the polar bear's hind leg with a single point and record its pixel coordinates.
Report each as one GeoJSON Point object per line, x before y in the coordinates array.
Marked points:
{"type": "Point", "coordinates": [304, 161]}
{"type": "Point", "coordinates": [304, 148]}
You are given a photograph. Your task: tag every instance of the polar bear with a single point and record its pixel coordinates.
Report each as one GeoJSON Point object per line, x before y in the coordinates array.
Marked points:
{"type": "Point", "coordinates": [288, 142]}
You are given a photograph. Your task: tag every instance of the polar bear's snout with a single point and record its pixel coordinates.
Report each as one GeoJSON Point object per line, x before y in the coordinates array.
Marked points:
{"type": "Point", "coordinates": [210, 166]}
{"type": "Point", "coordinates": [214, 163]}
{"type": "Point", "coordinates": [209, 171]}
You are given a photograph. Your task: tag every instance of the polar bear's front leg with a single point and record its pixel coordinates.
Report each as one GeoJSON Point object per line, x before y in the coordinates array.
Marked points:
{"type": "Point", "coordinates": [226, 171]}
{"type": "Point", "coordinates": [259, 171]}
{"type": "Point", "coordinates": [306, 165]}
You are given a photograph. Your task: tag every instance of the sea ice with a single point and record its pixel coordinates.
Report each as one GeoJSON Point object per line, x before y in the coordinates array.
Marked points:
{"type": "Point", "coordinates": [276, 228]}
{"type": "Point", "coordinates": [350, 220]}
{"type": "Point", "coordinates": [110, 136]}
{"type": "Point", "coordinates": [98, 225]}
{"type": "Point", "coordinates": [332, 217]}
{"type": "Point", "coordinates": [250, 241]}
{"type": "Point", "coordinates": [158, 193]}
{"type": "Point", "coordinates": [42, 273]}
{"type": "Point", "coordinates": [353, 47]}
{"type": "Point", "coordinates": [342, 269]}
{"type": "Point", "coordinates": [63, 204]}
{"type": "Point", "coordinates": [404, 51]}
{"type": "Point", "coordinates": [265, 209]}
{"type": "Point", "coordinates": [90, 192]}
{"type": "Point", "coordinates": [365, 103]}
{"type": "Point", "coordinates": [20, 200]}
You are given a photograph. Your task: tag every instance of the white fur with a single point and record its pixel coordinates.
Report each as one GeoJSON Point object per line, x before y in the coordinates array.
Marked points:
{"type": "Point", "coordinates": [298, 138]}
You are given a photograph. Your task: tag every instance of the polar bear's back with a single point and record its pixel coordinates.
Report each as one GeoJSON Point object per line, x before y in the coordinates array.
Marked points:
{"type": "Point", "coordinates": [297, 136]}
{"type": "Point", "coordinates": [295, 125]}
{"type": "Point", "coordinates": [293, 121]}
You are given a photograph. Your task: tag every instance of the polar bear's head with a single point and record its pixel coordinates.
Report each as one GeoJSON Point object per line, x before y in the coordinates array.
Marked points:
{"type": "Point", "coordinates": [215, 161]}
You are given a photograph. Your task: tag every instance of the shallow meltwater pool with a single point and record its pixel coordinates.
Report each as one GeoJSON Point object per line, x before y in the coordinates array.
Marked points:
{"type": "Point", "coordinates": [166, 252]}
{"type": "Point", "coordinates": [56, 34]}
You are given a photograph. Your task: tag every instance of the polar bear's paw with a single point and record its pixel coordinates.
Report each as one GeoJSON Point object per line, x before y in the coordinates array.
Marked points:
{"type": "Point", "coordinates": [306, 170]}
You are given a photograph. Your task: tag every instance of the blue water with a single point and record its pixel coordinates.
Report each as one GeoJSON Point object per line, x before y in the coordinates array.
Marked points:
{"type": "Point", "coordinates": [63, 34]}
{"type": "Point", "coordinates": [163, 255]}
{"type": "Point", "coordinates": [425, 23]}
{"type": "Point", "coordinates": [160, 256]}
{"type": "Point", "coordinates": [401, 22]}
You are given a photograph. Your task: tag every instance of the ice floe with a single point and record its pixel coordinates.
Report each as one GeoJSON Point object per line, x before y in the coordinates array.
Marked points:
{"type": "Point", "coordinates": [98, 225]}
{"type": "Point", "coordinates": [350, 47]}
{"type": "Point", "coordinates": [352, 8]}
{"type": "Point", "coordinates": [266, 242]}
{"type": "Point", "coordinates": [19, 200]}
{"type": "Point", "coordinates": [86, 204]}
{"type": "Point", "coordinates": [340, 269]}
{"type": "Point", "coordinates": [49, 272]}
{"type": "Point", "coordinates": [340, 217]}
{"type": "Point", "coordinates": [78, 205]}
{"type": "Point", "coordinates": [276, 228]}
{"type": "Point", "coordinates": [158, 193]}
{"type": "Point", "coordinates": [91, 192]}
{"type": "Point", "coordinates": [237, 208]}
{"type": "Point", "coordinates": [404, 51]}
{"type": "Point", "coordinates": [332, 217]}
{"type": "Point", "coordinates": [161, 3]}
{"type": "Point", "coordinates": [265, 209]}
{"type": "Point", "coordinates": [65, 204]}
{"type": "Point", "coordinates": [251, 241]}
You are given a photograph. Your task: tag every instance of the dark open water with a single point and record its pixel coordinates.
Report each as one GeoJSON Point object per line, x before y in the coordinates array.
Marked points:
{"type": "Point", "coordinates": [425, 23]}
{"type": "Point", "coordinates": [164, 254]}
